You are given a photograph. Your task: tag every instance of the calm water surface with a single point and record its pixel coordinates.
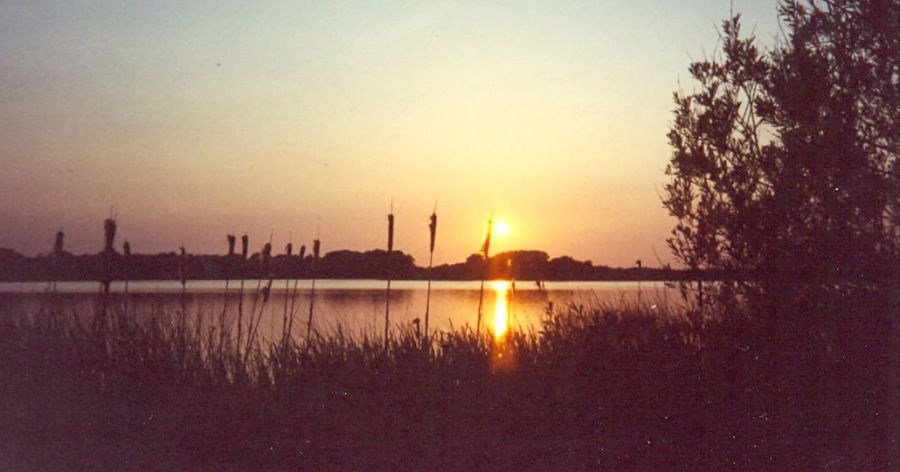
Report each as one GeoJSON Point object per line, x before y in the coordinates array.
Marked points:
{"type": "Point", "coordinates": [355, 305]}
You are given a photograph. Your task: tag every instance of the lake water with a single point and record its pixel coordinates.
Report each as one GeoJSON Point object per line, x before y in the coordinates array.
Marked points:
{"type": "Point", "coordinates": [355, 305]}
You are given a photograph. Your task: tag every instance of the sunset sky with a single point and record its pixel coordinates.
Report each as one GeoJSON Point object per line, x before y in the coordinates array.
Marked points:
{"type": "Point", "coordinates": [198, 119]}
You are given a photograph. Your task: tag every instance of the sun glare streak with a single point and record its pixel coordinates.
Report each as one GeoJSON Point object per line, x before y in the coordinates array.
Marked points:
{"type": "Point", "coordinates": [501, 308]}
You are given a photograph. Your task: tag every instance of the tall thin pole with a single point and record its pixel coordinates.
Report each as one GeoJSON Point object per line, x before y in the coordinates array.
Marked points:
{"type": "Point", "coordinates": [432, 228]}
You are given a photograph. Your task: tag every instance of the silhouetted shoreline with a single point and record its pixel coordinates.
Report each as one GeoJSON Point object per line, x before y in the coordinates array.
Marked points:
{"type": "Point", "coordinates": [339, 264]}
{"type": "Point", "coordinates": [346, 264]}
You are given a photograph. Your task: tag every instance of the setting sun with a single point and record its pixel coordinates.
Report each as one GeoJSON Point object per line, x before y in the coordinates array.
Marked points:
{"type": "Point", "coordinates": [521, 234]}
{"type": "Point", "coordinates": [501, 228]}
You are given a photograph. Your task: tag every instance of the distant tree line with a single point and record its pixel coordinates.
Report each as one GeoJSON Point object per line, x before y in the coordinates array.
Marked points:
{"type": "Point", "coordinates": [340, 264]}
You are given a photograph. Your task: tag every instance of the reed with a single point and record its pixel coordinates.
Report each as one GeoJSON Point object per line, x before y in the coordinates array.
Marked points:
{"type": "Point", "coordinates": [126, 260]}
{"type": "Point", "coordinates": [182, 275]}
{"type": "Point", "coordinates": [432, 229]}
{"type": "Point", "coordinates": [228, 267]}
{"type": "Point", "coordinates": [261, 291]}
{"type": "Point", "coordinates": [265, 293]}
{"type": "Point", "coordinates": [485, 250]}
{"type": "Point", "coordinates": [289, 252]}
{"type": "Point", "coordinates": [58, 243]}
{"type": "Point", "coordinates": [511, 319]}
{"type": "Point", "coordinates": [312, 291]}
{"type": "Point", "coordinates": [229, 260]}
{"type": "Point", "coordinates": [639, 265]}
{"type": "Point", "coordinates": [390, 250]}
{"type": "Point", "coordinates": [260, 268]}
{"type": "Point", "coordinates": [290, 328]}
{"type": "Point", "coordinates": [621, 377]}
{"type": "Point", "coordinates": [56, 259]}
{"type": "Point", "coordinates": [245, 244]}
{"type": "Point", "coordinates": [109, 236]}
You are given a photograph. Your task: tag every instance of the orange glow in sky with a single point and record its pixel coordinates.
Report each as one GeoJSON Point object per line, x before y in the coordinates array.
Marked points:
{"type": "Point", "coordinates": [197, 120]}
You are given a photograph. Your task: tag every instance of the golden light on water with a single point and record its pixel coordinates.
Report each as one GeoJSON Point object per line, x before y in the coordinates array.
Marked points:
{"type": "Point", "coordinates": [501, 308]}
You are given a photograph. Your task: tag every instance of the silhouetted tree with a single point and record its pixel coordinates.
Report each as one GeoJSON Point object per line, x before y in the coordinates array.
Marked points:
{"type": "Point", "coordinates": [785, 162]}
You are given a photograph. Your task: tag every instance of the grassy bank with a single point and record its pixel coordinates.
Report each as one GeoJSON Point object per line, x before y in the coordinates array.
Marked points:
{"type": "Point", "coordinates": [601, 388]}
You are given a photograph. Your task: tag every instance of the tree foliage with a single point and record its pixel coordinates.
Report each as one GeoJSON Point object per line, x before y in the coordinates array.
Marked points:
{"type": "Point", "coordinates": [784, 163]}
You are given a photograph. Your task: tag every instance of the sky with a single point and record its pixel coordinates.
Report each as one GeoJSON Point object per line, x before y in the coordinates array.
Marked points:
{"type": "Point", "coordinates": [296, 119]}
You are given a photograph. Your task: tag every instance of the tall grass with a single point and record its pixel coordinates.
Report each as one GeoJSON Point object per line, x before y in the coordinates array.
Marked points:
{"type": "Point", "coordinates": [591, 388]}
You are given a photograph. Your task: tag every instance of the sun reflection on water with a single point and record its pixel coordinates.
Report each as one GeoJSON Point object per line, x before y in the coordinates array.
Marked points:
{"type": "Point", "coordinates": [501, 308]}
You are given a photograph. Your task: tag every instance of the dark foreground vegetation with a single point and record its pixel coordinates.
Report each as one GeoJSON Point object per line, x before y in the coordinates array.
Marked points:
{"type": "Point", "coordinates": [784, 166]}
{"type": "Point", "coordinates": [811, 387]}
